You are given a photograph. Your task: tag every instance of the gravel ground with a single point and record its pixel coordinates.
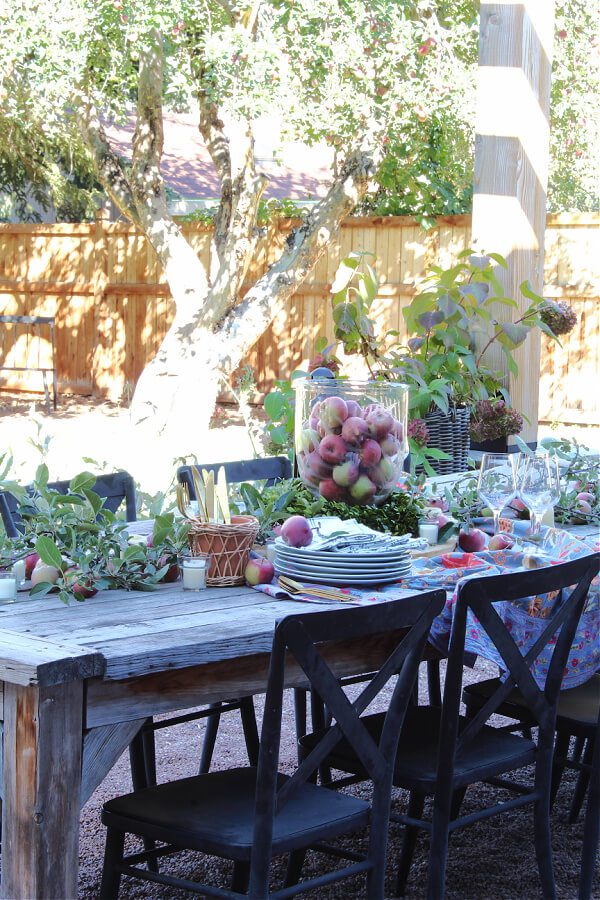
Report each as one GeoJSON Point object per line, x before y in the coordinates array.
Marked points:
{"type": "Point", "coordinates": [493, 860]}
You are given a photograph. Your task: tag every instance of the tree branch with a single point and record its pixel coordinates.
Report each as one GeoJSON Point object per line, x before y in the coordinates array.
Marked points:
{"type": "Point", "coordinates": [108, 166]}
{"type": "Point", "coordinates": [242, 326]}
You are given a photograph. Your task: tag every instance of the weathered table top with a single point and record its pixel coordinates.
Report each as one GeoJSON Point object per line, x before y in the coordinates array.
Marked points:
{"type": "Point", "coordinates": [121, 634]}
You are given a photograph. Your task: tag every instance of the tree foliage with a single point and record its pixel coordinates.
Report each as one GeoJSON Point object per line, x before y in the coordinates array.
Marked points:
{"type": "Point", "coordinates": [325, 67]}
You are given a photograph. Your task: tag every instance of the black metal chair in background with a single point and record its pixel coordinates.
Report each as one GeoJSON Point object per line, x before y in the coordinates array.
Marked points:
{"type": "Point", "coordinates": [115, 488]}
{"type": "Point", "coordinates": [577, 716]}
{"type": "Point", "coordinates": [250, 815]}
{"type": "Point", "coordinates": [441, 752]}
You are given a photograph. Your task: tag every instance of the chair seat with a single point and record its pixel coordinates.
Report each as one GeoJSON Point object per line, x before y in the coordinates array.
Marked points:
{"type": "Point", "coordinates": [214, 813]}
{"type": "Point", "coordinates": [491, 753]}
{"type": "Point", "coordinates": [577, 707]}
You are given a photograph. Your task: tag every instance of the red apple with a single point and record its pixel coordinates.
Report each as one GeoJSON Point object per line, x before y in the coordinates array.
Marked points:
{"type": "Point", "coordinates": [363, 489]}
{"type": "Point", "coordinates": [296, 532]}
{"type": "Point", "coordinates": [346, 473]}
{"type": "Point", "coordinates": [354, 430]}
{"type": "Point", "coordinates": [42, 572]}
{"type": "Point", "coordinates": [30, 563]}
{"type": "Point", "coordinates": [380, 423]}
{"type": "Point", "coordinates": [354, 409]}
{"type": "Point", "coordinates": [172, 573]}
{"type": "Point", "coordinates": [471, 541]}
{"type": "Point", "coordinates": [330, 490]}
{"type": "Point", "coordinates": [259, 571]}
{"type": "Point", "coordinates": [500, 541]}
{"type": "Point", "coordinates": [332, 412]}
{"type": "Point", "coordinates": [585, 495]}
{"type": "Point", "coordinates": [333, 449]}
{"type": "Point", "coordinates": [370, 453]}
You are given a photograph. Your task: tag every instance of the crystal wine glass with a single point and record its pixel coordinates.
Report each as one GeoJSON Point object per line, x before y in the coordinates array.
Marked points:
{"type": "Point", "coordinates": [539, 487]}
{"type": "Point", "coordinates": [497, 483]}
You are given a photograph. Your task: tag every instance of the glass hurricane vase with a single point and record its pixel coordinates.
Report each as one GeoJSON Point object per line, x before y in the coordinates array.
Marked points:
{"type": "Point", "coordinates": [351, 438]}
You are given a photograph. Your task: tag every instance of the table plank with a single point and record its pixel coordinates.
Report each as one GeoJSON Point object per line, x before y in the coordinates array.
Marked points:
{"type": "Point", "coordinates": [26, 659]}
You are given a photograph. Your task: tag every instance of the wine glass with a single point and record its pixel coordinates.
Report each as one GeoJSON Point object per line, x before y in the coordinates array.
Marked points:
{"type": "Point", "coordinates": [497, 483]}
{"type": "Point", "coordinates": [539, 487]}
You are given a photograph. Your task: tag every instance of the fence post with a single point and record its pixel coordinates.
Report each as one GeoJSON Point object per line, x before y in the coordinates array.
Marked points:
{"type": "Point", "coordinates": [101, 380]}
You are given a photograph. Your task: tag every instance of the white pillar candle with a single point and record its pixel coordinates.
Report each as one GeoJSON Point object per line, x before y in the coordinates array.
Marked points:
{"type": "Point", "coordinates": [8, 587]}
{"type": "Point", "coordinates": [18, 571]}
{"type": "Point", "coordinates": [429, 532]}
{"type": "Point", "coordinates": [194, 573]}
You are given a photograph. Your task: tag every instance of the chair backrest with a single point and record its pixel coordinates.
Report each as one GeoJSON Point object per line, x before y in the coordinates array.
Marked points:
{"type": "Point", "coordinates": [114, 488]}
{"type": "Point", "coordinates": [303, 638]}
{"type": "Point", "coordinates": [479, 596]}
{"type": "Point", "coordinates": [9, 506]}
{"type": "Point", "coordinates": [269, 469]}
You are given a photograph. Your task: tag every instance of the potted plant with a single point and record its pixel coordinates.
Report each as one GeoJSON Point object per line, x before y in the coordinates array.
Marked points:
{"type": "Point", "coordinates": [440, 361]}
{"type": "Point", "coordinates": [492, 421]}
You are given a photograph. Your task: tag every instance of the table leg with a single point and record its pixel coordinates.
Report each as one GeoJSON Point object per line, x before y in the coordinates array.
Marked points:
{"type": "Point", "coordinates": [42, 782]}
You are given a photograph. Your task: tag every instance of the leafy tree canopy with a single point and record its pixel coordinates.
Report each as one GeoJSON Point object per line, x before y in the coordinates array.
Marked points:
{"type": "Point", "coordinates": [330, 69]}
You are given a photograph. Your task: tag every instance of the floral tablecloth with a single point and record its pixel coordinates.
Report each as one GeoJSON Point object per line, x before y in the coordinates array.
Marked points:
{"type": "Point", "coordinates": [525, 619]}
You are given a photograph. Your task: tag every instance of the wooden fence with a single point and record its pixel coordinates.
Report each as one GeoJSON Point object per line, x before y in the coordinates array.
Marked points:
{"type": "Point", "coordinates": [103, 284]}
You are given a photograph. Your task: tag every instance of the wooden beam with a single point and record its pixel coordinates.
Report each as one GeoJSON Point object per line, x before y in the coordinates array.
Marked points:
{"type": "Point", "coordinates": [101, 749]}
{"type": "Point", "coordinates": [29, 660]}
{"type": "Point", "coordinates": [511, 164]}
{"type": "Point", "coordinates": [40, 808]}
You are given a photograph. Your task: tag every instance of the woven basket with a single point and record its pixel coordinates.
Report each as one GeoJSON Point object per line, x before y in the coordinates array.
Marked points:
{"type": "Point", "coordinates": [449, 432]}
{"type": "Point", "coordinates": [229, 547]}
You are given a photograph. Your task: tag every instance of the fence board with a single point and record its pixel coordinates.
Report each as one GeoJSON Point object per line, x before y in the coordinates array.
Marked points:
{"type": "Point", "coordinates": [103, 284]}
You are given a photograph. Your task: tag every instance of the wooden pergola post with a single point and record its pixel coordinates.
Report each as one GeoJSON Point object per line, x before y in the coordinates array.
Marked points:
{"type": "Point", "coordinates": [511, 164]}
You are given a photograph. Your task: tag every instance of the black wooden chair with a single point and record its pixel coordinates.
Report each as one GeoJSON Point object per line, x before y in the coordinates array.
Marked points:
{"type": "Point", "coordinates": [591, 827]}
{"type": "Point", "coordinates": [577, 714]}
{"type": "Point", "coordinates": [250, 815]}
{"type": "Point", "coordinates": [269, 469]}
{"type": "Point", "coordinates": [441, 752]}
{"type": "Point", "coordinates": [114, 487]}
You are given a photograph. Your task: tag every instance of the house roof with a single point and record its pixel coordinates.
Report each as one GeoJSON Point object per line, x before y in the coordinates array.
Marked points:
{"type": "Point", "coordinates": [300, 173]}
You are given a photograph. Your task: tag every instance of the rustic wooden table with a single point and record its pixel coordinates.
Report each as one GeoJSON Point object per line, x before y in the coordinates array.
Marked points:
{"type": "Point", "coordinates": [78, 681]}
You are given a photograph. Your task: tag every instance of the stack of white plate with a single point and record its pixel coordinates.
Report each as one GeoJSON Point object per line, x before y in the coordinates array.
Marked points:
{"type": "Point", "coordinates": [356, 566]}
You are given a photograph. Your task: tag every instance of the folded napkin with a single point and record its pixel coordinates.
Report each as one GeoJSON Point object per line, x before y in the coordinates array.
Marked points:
{"type": "Point", "coordinates": [356, 596]}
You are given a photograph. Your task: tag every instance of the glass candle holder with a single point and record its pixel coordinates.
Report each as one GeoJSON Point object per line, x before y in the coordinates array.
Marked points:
{"type": "Point", "coordinates": [8, 587]}
{"type": "Point", "coordinates": [428, 530]}
{"type": "Point", "coordinates": [194, 570]}
{"type": "Point", "coordinates": [18, 571]}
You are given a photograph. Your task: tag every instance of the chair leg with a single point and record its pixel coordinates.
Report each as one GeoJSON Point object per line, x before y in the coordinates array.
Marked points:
{"type": "Point", "coordinates": [561, 750]}
{"type": "Point", "coordinates": [591, 828]}
{"type": "Point", "coordinates": [113, 855]}
{"type": "Point", "coordinates": [434, 687]}
{"type": "Point", "coordinates": [318, 717]}
{"type": "Point", "coordinates": [137, 763]}
{"type": "Point", "coordinates": [240, 877]}
{"type": "Point", "coordinates": [582, 783]}
{"type": "Point", "coordinates": [210, 737]}
{"type": "Point", "coordinates": [542, 834]}
{"type": "Point", "coordinates": [300, 701]}
{"type": "Point", "coordinates": [149, 747]}
{"type": "Point", "coordinates": [250, 729]}
{"type": "Point", "coordinates": [415, 810]}
{"type": "Point", "coordinates": [294, 867]}
{"type": "Point", "coordinates": [142, 759]}
{"type": "Point", "coordinates": [438, 850]}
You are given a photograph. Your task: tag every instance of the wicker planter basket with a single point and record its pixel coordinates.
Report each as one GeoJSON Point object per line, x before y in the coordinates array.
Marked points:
{"type": "Point", "coordinates": [228, 546]}
{"type": "Point", "coordinates": [449, 432]}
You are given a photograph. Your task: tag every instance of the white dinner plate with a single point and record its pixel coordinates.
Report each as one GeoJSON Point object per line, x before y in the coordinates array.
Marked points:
{"type": "Point", "coordinates": [328, 557]}
{"type": "Point", "coordinates": [327, 578]}
{"type": "Point", "coordinates": [350, 569]}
